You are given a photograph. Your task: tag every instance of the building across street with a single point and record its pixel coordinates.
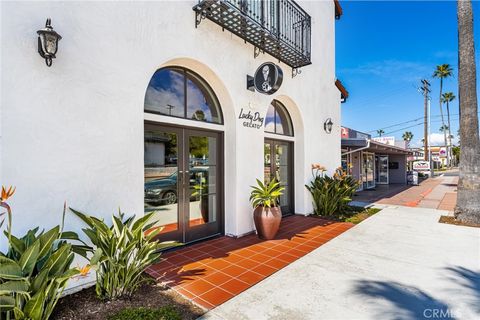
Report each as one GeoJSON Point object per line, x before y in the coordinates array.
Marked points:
{"type": "Point", "coordinates": [373, 162]}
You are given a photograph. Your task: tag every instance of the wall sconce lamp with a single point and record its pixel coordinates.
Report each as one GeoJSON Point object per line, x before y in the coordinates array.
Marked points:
{"type": "Point", "coordinates": [48, 42]}
{"type": "Point", "coordinates": [328, 125]}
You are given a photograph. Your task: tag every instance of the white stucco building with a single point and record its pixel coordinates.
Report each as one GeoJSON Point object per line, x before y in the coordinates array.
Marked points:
{"type": "Point", "coordinates": [146, 106]}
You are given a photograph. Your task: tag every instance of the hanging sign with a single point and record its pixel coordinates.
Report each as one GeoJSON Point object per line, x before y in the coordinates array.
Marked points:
{"type": "Point", "coordinates": [268, 78]}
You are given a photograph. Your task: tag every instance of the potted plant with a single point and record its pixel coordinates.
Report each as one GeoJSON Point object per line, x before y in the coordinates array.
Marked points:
{"type": "Point", "coordinates": [201, 191]}
{"type": "Point", "coordinates": [267, 213]}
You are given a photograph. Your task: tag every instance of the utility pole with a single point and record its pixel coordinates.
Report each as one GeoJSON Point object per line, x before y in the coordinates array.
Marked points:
{"type": "Point", "coordinates": [425, 90]}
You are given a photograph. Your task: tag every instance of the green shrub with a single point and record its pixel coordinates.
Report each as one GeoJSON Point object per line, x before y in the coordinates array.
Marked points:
{"type": "Point", "coordinates": [266, 194]}
{"type": "Point", "coordinates": [163, 313]}
{"type": "Point", "coordinates": [35, 270]}
{"type": "Point", "coordinates": [331, 195]}
{"type": "Point", "coordinates": [123, 252]}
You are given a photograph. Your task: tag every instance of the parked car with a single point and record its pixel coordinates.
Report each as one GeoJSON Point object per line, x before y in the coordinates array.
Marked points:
{"type": "Point", "coordinates": [164, 190]}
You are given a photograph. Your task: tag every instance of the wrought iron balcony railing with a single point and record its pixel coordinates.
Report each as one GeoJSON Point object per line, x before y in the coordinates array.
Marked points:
{"type": "Point", "coordinates": [279, 27]}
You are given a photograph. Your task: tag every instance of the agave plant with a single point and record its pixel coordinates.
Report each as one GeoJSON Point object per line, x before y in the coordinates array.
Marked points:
{"type": "Point", "coordinates": [123, 251]}
{"type": "Point", "coordinates": [266, 194]}
{"type": "Point", "coordinates": [35, 271]}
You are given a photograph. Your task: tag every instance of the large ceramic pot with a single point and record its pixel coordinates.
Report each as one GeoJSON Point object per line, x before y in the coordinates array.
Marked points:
{"type": "Point", "coordinates": [267, 221]}
{"type": "Point", "coordinates": [204, 208]}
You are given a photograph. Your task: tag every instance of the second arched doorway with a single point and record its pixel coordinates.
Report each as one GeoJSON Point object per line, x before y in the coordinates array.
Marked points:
{"type": "Point", "coordinates": [278, 153]}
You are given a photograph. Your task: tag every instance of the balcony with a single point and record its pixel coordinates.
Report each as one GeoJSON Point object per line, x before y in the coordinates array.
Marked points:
{"type": "Point", "coordinates": [278, 27]}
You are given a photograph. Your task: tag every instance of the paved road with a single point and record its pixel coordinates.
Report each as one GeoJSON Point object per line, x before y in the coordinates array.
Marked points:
{"type": "Point", "coordinates": [398, 264]}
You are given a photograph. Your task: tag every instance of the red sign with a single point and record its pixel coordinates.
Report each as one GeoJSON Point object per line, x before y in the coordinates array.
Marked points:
{"type": "Point", "coordinates": [344, 132]}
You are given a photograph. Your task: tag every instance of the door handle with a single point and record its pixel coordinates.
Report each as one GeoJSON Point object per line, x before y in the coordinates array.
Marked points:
{"type": "Point", "coordinates": [181, 176]}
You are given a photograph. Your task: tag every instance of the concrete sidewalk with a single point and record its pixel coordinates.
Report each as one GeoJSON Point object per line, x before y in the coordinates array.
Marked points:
{"type": "Point", "coordinates": [436, 193]}
{"type": "Point", "coordinates": [398, 264]}
{"type": "Point", "coordinates": [443, 196]}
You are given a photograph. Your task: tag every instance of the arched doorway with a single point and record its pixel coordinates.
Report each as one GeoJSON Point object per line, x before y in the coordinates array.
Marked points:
{"type": "Point", "coordinates": [183, 164]}
{"type": "Point", "coordinates": [278, 153]}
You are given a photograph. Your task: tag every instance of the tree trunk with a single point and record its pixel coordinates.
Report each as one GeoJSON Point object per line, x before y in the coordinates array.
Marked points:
{"type": "Point", "coordinates": [441, 114]}
{"type": "Point", "coordinates": [468, 197]}
{"type": "Point", "coordinates": [449, 148]}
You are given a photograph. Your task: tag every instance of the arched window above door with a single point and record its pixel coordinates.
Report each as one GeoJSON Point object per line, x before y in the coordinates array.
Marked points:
{"type": "Point", "coordinates": [278, 120]}
{"type": "Point", "coordinates": [179, 92]}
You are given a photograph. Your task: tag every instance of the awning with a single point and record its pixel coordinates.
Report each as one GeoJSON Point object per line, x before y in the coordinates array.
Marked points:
{"type": "Point", "coordinates": [375, 147]}
{"type": "Point", "coordinates": [357, 143]}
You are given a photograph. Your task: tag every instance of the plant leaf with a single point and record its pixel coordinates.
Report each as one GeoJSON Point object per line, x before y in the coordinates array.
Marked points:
{"type": "Point", "coordinates": [57, 261]}
{"type": "Point", "coordinates": [46, 241]}
{"type": "Point", "coordinates": [29, 258]}
{"type": "Point", "coordinates": [10, 271]}
{"type": "Point", "coordinates": [34, 307]}
{"type": "Point", "coordinates": [6, 303]}
{"type": "Point", "coordinates": [14, 287]}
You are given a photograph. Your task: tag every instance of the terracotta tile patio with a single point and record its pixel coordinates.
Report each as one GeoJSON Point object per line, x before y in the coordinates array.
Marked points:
{"type": "Point", "coordinates": [211, 272]}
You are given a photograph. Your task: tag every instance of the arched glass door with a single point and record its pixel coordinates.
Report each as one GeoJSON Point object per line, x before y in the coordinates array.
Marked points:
{"type": "Point", "coordinates": [183, 165]}
{"type": "Point", "coordinates": [278, 153]}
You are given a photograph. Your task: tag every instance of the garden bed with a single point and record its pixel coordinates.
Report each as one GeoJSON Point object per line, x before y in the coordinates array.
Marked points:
{"type": "Point", "coordinates": [452, 220]}
{"type": "Point", "coordinates": [85, 305]}
{"type": "Point", "coordinates": [353, 215]}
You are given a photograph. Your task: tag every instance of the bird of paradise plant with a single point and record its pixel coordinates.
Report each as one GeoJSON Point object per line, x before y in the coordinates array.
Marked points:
{"type": "Point", "coordinates": [6, 194]}
{"type": "Point", "coordinates": [331, 195]}
{"type": "Point", "coordinates": [35, 269]}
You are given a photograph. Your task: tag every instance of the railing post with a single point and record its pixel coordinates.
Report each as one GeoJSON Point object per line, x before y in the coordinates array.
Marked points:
{"type": "Point", "coordinates": [278, 6]}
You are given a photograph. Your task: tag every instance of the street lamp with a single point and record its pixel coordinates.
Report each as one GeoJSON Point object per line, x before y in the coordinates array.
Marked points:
{"type": "Point", "coordinates": [328, 125]}
{"type": "Point", "coordinates": [48, 42]}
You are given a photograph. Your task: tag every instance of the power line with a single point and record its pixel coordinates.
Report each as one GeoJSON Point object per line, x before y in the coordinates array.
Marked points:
{"type": "Point", "coordinates": [416, 125]}
{"type": "Point", "coordinates": [408, 121]}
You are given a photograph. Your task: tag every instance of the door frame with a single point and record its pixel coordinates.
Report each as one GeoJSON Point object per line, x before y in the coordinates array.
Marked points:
{"type": "Point", "coordinates": [365, 176]}
{"type": "Point", "coordinates": [291, 171]}
{"type": "Point", "coordinates": [377, 159]}
{"type": "Point", "coordinates": [182, 221]}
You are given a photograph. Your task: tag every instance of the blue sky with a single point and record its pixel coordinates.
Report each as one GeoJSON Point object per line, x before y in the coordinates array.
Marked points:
{"type": "Point", "coordinates": [383, 49]}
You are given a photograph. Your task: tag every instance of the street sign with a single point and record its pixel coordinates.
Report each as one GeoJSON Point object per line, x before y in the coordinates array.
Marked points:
{"type": "Point", "coordinates": [421, 166]}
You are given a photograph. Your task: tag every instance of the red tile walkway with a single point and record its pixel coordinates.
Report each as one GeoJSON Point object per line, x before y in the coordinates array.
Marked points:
{"type": "Point", "coordinates": [448, 202]}
{"type": "Point", "coordinates": [211, 272]}
{"type": "Point", "coordinates": [403, 195]}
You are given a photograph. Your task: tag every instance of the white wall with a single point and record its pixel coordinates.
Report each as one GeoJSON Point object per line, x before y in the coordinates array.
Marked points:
{"type": "Point", "coordinates": [398, 175]}
{"type": "Point", "coordinates": [74, 131]}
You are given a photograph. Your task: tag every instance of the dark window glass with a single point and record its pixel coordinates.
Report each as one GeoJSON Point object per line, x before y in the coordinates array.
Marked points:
{"type": "Point", "coordinates": [180, 93]}
{"type": "Point", "coordinates": [161, 167]}
{"type": "Point", "coordinates": [166, 93]}
{"type": "Point", "coordinates": [278, 120]}
{"type": "Point", "coordinates": [201, 102]}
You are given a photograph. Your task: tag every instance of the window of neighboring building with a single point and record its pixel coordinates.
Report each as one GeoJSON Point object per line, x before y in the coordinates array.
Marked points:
{"type": "Point", "coordinates": [278, 120]}
{"type": "Point", "coordinates": [179, 92]}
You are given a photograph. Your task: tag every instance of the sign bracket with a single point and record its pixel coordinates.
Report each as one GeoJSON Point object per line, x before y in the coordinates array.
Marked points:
{"type": "Point", "coordinates": [295, 72]}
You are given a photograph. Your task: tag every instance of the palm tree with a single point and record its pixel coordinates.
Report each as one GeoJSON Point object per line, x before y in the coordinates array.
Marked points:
{"type": "Point", "coordinates": [468, 195]}
{"type": "Point", "coordinates": [448, 97]}
{"type": "Point", "coordinates": [441, 72]}
{"type": "Point", "coordinates": [380, 132]}
{"type": "Point", "coordinates": [407, 136]}
{"type": "Point", "coordinates": [444, 128]}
